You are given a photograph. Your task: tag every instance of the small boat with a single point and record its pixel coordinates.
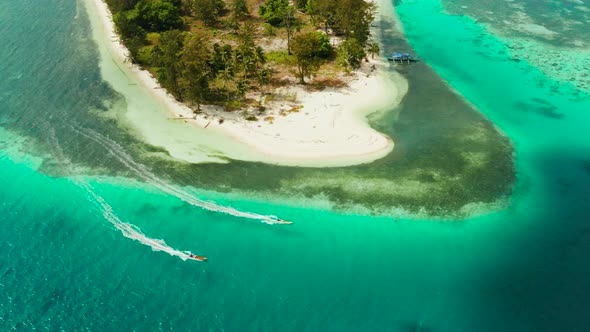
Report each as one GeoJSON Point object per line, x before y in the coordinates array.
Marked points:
{"type": "Point", "coordinates": [402, 58]}
{"type": "Point", "coordinates": [277, 220]}
{"type": "Point", "coordinates": [198, 258]}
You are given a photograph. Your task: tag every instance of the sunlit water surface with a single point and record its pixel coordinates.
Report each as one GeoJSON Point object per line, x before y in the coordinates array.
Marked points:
{"type": "Point", "coordinates": [76, 250]}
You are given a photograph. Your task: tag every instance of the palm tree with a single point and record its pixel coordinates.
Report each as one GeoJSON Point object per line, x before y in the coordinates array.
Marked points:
{"type": "Point", "coordinates": [259, 57]}
{"type": "Point", "coordinates": [228, 64]}
{"type": "Point", "coordinates": [242, 88]}
{"type": "Point", "coordinates": [263, 76]}
{"type": "Point", "coordinates": [373, 49]}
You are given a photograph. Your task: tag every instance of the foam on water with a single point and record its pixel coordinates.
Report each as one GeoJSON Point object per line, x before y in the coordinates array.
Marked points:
{"type": "Point", "coordinates": [145, 174]}
{"type": "Point", "coordinates": [128, 230]}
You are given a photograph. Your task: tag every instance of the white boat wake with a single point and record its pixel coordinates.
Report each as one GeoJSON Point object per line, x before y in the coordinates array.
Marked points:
{"type": "Point", "coordinates": [145, 174]}
{"type": "Point", "coordinates": [128, 230]}
{"type": "Point", "coordinates": [131, 231]}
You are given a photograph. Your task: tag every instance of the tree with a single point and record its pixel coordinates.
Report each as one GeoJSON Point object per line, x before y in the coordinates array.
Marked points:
{"type": "Point", "coordinates": [165, 56]}
{"type": "Point", "coordinates": [312, 11]}
{"type": "Point", "coordinates": [324, 11]}
{"type": "Point", "coordinates": [197, 71]}
{"type": "Point", "coordinates": [121, 5]}
{"type": "Point", "coordinates": [208, 11]}
{"type": "Point", "coordinates": [354, 18]}
{"type": "Point", "coordinates": [160, 15]}
{"type": "Point", "coordinates": [220, 57]}
{"type": "Point", "coordinates": [263, 77]}
{"type": "Point", "coordinates": [373, 49]}
{"type": "Point", "coordinates": [301, 4]}
{"type": "Point", "coordinates": [274, 11]}
{"type": "Point", "coordinates": [239, 9]}
{"type": "Point", "coordinates": [350, 54]}
{"type": "Point", "coordinates": [259, 57]}
{"type": "Point", "coordinates": [241, 88]}
{"type": "Point", "coordinates": [247, 54]}
{"type": "Point", "coordinates": [228, 64]}
{"type": "Point", "coordinates": [223, 64]}
{"type": "Point", "coordinates": [291, 23]}
{"type": "Point", "coordinates": [325, 50]}
{"type": "Point", "coordinates": [306, 48]}
{"type": "Point", "coordinates": [132, 34]}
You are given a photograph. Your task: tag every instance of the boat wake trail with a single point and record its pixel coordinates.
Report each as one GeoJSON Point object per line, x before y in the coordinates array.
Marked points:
{"type": "Point", "coordinates": [145, 174]}
{"type": "Point", "coordinates": [130, 231]}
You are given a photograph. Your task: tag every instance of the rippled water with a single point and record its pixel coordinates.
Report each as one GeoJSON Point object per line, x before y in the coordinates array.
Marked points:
{"type": "Point", "coordinates": [77, 244]}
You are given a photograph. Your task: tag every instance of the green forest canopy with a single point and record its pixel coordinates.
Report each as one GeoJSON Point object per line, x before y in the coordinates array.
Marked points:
{"type": "Point", "coordinates": [206, 50]}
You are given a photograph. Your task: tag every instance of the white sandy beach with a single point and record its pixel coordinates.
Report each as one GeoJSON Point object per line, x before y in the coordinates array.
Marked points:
{"type": "Point", "coordinates": [330, 130]}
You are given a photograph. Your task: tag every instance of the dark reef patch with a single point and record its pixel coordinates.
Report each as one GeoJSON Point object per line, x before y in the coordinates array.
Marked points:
{"type": "Point", "coordinates": [540, 107]}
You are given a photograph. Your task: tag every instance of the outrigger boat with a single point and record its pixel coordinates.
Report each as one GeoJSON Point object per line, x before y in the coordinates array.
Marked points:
{"type": "Point", "coordinates": [401, 58]}
{"type": "Point", "coordinates": [197, 257]}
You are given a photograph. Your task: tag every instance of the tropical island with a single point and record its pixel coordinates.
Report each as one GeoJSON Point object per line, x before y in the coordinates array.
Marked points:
{"type": "Point", "coordinates": [292, 80]}
{"type": "Point", "coordinates": [227, 51]}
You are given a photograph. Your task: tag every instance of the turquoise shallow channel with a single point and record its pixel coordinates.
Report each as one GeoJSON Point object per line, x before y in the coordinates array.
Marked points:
{"type": "Point", "coordinates": [76, 251]}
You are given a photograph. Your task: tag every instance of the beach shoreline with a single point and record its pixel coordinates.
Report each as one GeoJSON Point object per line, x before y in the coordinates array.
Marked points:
{"type": "Point", "coordinates": [329, 129]}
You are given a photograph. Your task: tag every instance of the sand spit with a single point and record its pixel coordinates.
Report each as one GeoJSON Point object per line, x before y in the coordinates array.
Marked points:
{"type": "Point", "coordinates": [329, 128]}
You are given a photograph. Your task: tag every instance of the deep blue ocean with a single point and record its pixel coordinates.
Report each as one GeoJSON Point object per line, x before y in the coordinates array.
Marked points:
{"type": "Point", "coordinates": [92, 251]}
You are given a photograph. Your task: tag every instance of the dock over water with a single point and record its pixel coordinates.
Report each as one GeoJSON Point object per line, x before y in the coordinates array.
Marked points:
{"type": "Point", "coordinates": [401, 58]}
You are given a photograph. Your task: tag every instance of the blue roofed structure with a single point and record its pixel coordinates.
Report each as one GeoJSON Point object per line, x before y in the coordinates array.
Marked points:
{"type": "Point", "coordinates": [402, 57]}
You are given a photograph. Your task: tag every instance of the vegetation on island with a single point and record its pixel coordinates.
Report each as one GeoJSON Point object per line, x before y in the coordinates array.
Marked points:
{"type": "Point", "coordinates": [219, 51]}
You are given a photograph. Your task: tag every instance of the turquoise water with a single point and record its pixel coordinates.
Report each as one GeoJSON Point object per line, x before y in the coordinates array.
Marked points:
{"type": "Point", "coordinates": [70, 262]}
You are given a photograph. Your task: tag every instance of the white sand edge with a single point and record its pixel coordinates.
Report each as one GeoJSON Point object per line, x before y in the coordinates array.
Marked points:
{"type": "Point", "coordinates": [331, 129]}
